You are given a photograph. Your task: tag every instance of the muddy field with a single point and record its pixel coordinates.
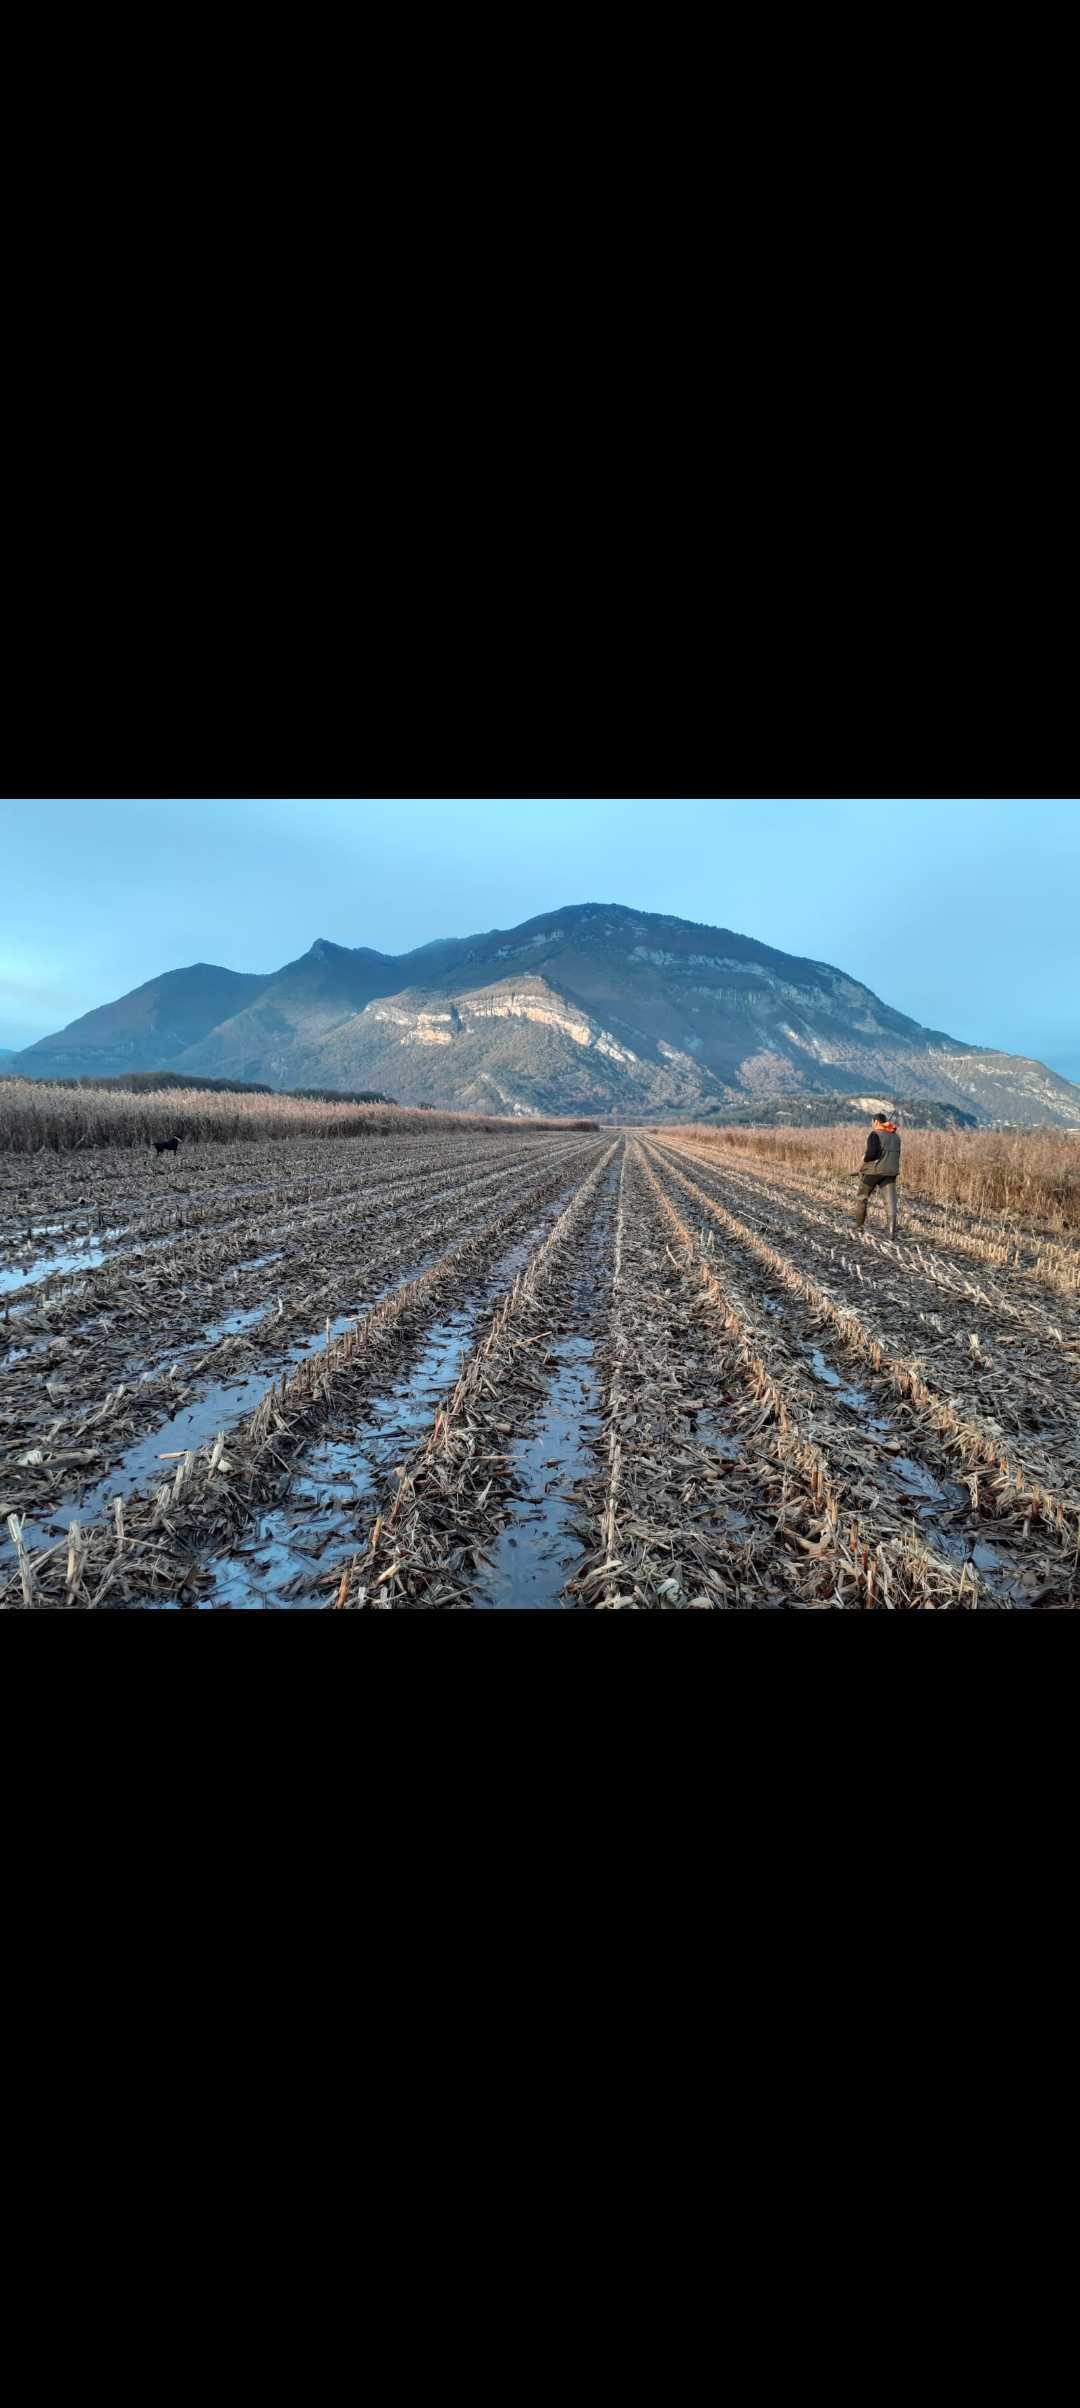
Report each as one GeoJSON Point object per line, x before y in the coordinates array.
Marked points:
{"type": "Point", "coordinates": [550, 1369]}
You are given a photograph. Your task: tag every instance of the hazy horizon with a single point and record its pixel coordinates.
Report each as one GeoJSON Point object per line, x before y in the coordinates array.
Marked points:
{"type": "Point", "coordinates": [959, 914]}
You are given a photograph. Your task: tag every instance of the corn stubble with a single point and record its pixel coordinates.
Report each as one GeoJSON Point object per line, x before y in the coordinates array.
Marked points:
{"type": "Point", "coordinates": [787, 1417]}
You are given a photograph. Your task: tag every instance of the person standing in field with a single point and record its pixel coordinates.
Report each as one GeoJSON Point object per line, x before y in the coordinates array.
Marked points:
{"type": "Point", "coordinates": [880, 1169]}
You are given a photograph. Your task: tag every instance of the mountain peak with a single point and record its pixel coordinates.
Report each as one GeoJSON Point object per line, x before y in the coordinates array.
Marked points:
{"type": "Point", "coordinates": [598, 1007]}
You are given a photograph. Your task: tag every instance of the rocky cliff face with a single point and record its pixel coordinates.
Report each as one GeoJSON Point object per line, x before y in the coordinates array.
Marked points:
{"type": "Point", "coordinates": [593, 1008]}
{"type": "Point", "coordinates": [517, 1045]}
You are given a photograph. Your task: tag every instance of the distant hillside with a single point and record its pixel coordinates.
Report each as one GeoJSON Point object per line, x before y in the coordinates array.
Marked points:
{"type": "Point", "coordinates": [146, 1030]}
{"type": "Point", "coordinates": [803, 1111]}
{"type": "Point", "coordinates": [594, 1009]}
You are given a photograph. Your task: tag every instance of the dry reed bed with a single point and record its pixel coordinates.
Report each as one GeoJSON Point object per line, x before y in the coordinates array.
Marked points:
{"type": "Point", "coordinates": [1031, 1176]}
{"type": "Point", "coordinates": [806, 1496]}
{"type": "Point", "coordinates": [76, 1451]}
{"type": "Point", "coordinates": [37, 1116]}
{"type": "Point", "coordinates": [432, 1532]}
{"type": "Point", "coordinates": [148, 1547]}
{"type": "Point", "coordinates": [970, 1438]}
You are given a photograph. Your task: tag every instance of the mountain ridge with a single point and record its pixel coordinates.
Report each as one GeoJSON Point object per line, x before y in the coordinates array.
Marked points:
{"type": "Point", "coordinates": [593, 1007]}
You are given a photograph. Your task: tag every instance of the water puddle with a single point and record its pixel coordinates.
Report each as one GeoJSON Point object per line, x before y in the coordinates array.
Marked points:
{"type": "Point", "coordinates": [317, 1525]}
{"type": "Point", "coordinates": [534, 1554]}
{"type": "Point", "coordinates": [720, 1441]}
{"type": "Point", "coordinates": [845, 1393]}
{"type": "Point", "coordinates": [39, 1229]}
{"type": "Point", "coordinates": [407, 1409]}
{"type": "Point", "coordinates": [195, 1425]}
{"type": "Point", "coordinates": [957, 1547]}
{"type": "Point", "coordinates": [194, 1349]}
{"type": "Point", "coordinates": [997, 1579]}
{"type": "Point", "coordinates": [73, 1260]}
{"type": "Point", "coordinates": [232, 1323]}
{"type": "Point", "coordinates": [916, 1477]}
{"type": "Point", "coordinates": [994, 1576]}
{"type": "Point", "coordinates": [221, 1406]}
{"type": "Point", "coordinates": [16, 1280]}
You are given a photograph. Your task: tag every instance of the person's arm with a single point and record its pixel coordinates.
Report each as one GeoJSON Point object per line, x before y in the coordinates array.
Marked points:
{"type": "Point", "coordinates": [873, 1147]}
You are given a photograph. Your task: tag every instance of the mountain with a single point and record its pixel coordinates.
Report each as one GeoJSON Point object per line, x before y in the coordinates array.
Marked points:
{"type": "Point", "coordinates": [802, 1110]}
{"type": "Point", "coordinates": [277, 1033]}
{"type": "Point", "coordinates": [594, 1008]}
{"type": "Point", "coordinates": [146, 1030]}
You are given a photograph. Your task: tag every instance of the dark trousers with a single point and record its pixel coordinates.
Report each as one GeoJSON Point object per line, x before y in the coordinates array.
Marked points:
{"type": "Point", "coordinates": [875, 1187]}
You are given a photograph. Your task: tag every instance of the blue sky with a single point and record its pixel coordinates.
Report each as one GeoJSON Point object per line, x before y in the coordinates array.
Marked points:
{"type": "Point", "coordinates": [962, 914]}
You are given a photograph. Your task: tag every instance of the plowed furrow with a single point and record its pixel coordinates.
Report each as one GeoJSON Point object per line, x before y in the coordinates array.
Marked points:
{"type": "Point", "coordinates": [65, 1415]}
{"type": "Point", "coordinates": [973, 1441]}
{"type": "Point", "coordinates": [786, 1521]}
{"type": "Point", "coordinates": [150, 1550]}
{"type": "Point", "coordinates": [65, 1300]}
{"type": "Point", "coordinates": [923, 1259]}
{"type": "Point", "coordinates": [429, 1547]}
{"type": "Point", "coordinates": [914, 1288]}
{"type": "Point", "coordinates": [1023, 1254]}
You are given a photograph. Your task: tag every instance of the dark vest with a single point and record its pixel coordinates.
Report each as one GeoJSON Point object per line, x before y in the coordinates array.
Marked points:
{"type": "Point", "coordinates": [888, 1162]}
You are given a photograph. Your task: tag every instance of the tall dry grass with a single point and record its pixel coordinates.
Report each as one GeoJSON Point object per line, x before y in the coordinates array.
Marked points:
{"type": "Point", "coordinates": [39, 1118]}
{"type": "Point", "coordinates": [1031, 1177]}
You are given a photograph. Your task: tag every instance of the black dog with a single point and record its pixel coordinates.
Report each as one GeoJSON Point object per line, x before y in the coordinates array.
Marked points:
{"type": "Point", "coordinates": [166, 1145]}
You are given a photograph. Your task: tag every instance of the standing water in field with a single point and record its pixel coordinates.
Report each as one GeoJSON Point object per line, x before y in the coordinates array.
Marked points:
{"type": "Point", "coordinates": [532, 1558]}
{"type": "Point", "coordinates": [332, 1496]}
{"type": "Point", "coordinates": [18, 1277]}
{"type": "Point", "coordinates": [153, 1457]}
{"type": "Point", "coordinates": [534, 1555]}
{"type": "Point", "coordinates": [325, 1514]}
